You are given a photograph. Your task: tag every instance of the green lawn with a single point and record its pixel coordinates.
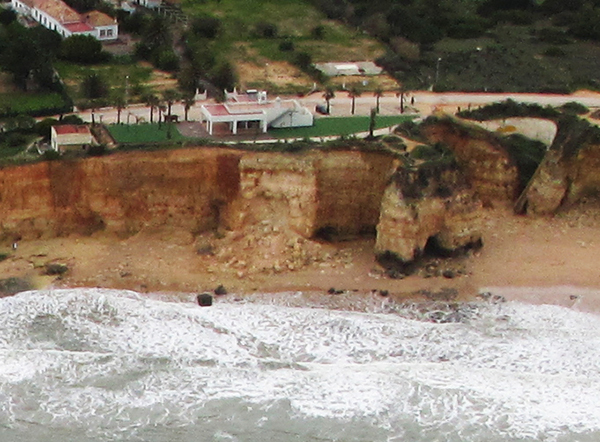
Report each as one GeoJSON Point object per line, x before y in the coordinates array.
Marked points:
{"type": "Point", "coordinates": [334, 126]}
{"type": "Point", "coordinates": [14, 103]}
{"type": "Point", "coordinates": [144, 133]}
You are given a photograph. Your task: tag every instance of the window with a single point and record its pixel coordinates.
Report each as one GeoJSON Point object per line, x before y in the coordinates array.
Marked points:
{"type": "Point", "coordinates": [102, 32]}
{"type": "Point", "coordinates": [109, 33]}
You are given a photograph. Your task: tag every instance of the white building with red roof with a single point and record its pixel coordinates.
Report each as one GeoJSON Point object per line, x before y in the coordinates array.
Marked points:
{"type": "Point", "coordinates": [70, 136]}
{"type": "Point", "coordinates": [253, 108]}
{"type": "Point", "coordinates": [57, 16]}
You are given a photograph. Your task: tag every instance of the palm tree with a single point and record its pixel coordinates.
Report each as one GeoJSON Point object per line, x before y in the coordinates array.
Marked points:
{"type": "Point", "coordinates": [161, 111]}
{"type": "Point", "coordinates": [402, 91]}
{"type": "Point", "coordinates": [170, 96]}
{"type": "Point", "coordinates": [329, 94]}
{"type": "Point", "coordinates": [188, 102]}
{"type": "Point", "coordinates": [353, 93]}
{"type": "Point", "coordinates": [152, 102]}
{"type": "Point", "coordinates": [118, 100]}
{"type": "Point", "coordinates": [378, 94]}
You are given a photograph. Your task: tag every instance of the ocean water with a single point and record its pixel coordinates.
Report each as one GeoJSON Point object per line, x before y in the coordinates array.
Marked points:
{"type": "Point", "coordinates": [99, 365]}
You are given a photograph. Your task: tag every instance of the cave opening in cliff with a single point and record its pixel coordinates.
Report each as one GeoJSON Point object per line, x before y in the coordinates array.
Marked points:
{"type": "Point", "coordinates": [434, 249]}
{"type": "Point", "coordinates": [334, 234]}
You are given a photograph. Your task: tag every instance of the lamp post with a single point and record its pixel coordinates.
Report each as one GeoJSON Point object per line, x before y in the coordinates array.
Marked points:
{"type": "Point", "coordinates": [437, 69]}
{"type": "Point", "coordinates": [126, 90]}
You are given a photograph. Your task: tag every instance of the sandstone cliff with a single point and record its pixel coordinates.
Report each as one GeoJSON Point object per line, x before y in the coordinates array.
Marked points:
{"type": "Point", "coordinates": [569, 170]}
{"type": "Point", "coordinates": [339, 191]}
{"type": "Point", "coordinates": [486, 163]}
{"type": "Point", "coordinates": [194, 190]}
{"type": "Point", "coordinates": [120, 193]}
{"type": "Point", "coordinates": [266, 205]}
{"type": "Point", "coordinates": [427, 207]}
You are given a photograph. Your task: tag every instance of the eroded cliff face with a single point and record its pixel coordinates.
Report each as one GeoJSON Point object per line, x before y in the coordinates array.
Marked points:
{"type": "Point", "coordinates": [486, 163]}
{"type": "Point", "coordinates": [120, 193]}
{"type": "Point", "coordinates": [569, 171]}
{"type": "Point", "coordinates": [313, 191]}
{"type": "Point", "coordinates": [268, 205]}
{"type": "Point", "coordinates": [427, 205]}
{"type": "Point", "coordinates": [195, 190]}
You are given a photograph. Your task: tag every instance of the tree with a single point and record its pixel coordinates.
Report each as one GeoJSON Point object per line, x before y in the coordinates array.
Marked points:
{"type": "Point", "coordinates": [94, 86]}
{"type": "Point", "coordinates": [152, 102]}
{"type": "Point", "coordinates": [328, 95]}
{"type": "Point", "coordinates": [81, 49]}
{"type": "Point", "coordinates": [170, 96]}
{"type": "Point", "coordinates": [378, 94]}
{"type": "Point", "coordinates": [402, 91]}
{"type": "Point", "coordinates": [353, 93]}
{"type": "Point", "coordinates": [24, 57]}
{"type": "Point", "coordinates": [7, 16]}
{"type": "Point", "coordinates": [188, 102]}
{"type": "Point", "coordinates": [372, 121]}
{"type": "Point", "coordinates": [118, 100]}
{"type": "Point", "coordinates": [223, 76]}
{"type": "Point", "coordinates": [206, 26]}
{"type": "Point", "coordinates": [161, 111]}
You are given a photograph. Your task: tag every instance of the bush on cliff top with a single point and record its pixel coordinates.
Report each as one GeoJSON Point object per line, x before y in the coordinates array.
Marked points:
{"type": "Point", "coordinates": [509, 109]}
{"type": "Point", "coordinates": [527, 154]}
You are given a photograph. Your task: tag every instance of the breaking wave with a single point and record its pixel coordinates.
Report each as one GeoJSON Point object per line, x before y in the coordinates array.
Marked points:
{"type": "Point", "coordinates": [98, 365]}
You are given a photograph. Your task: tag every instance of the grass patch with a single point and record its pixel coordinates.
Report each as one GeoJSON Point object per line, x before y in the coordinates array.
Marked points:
{"type": "Point", "coordinates": [15, 103]}
{"type": "Point", "coordinates": [337, 126]}
{"type": "Point", "coordinates": [145, 133]}
{"type": "Point", "coordinates": [239, 39]}
{"type": "Point", "coordinates": [114, 74]}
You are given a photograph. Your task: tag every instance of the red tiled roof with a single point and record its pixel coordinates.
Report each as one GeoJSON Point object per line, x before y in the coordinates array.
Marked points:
{"type": "Point", "coordinates": [97, 18]}
{"type": "Point", "coordinates": [217, 109]}
{"type": "Point", "coordinates": [59, 10]}
{"type": "Point", "coordinates": [221, 109]}
{"type": "Point", "coordinates": [78, 27]}
{"type": "Point", "coordinates": [71, 129]}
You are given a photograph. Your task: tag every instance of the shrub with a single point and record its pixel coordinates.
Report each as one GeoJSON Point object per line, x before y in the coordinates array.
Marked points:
{"type": "Point", "coordinates": [552, 36]}
{"type": "Point", "coordinates": [15, 139]}
{"type": "Point", "coordinates": [166, 60]}
{"type": "Point", "coordinates": [94, 86]}
{"type": "Point", "coordinates": [303, 60]}
{"type": "Point", "coordinates": [573, 107]}
{"type": "Point", "coordinates": [527, 155]}
{"type": "Point", "coordinates": [554, 51]}
{"type": "Point", "coordinates": [428, 152]}
{"type": "Point", "coordinates": [97, 150]}
{"type": "Point", "coordinates": [266, 30]}
{"type": "Point", "coordinates": [510, 108]}
{"type": "Point", "coordinates": [82, 49]}
{"type": "Point", "coordinates": [318, 32]}
{"type": "Point", "coordinates": [286, 46]}
{"type": "Point", "coordinates": [51, 155]}
{"type": "Point", "coordinates": [206, 26]}
{"type": "Point", "coordinates": [467, 28]}
{"type": "Point", "coordinates": [42, 128]}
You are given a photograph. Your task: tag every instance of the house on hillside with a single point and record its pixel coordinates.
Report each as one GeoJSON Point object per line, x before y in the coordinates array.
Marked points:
{"type": "Point", "coordinates": [57, 16]}
{"type": "Point", "coordinates": [253, 109]}
{"type": "Point", "coordinates": [71, 137]}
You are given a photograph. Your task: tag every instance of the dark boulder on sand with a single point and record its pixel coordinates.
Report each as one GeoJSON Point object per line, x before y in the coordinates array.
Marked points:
{"type": "Point", "coordinates": [204, 299]}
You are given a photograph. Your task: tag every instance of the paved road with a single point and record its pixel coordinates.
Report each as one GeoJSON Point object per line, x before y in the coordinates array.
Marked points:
{"type": "Point", "coordinates": [425, 104]}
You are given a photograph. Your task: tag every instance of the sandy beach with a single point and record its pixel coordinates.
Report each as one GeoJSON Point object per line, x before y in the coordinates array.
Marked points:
{"type": "Point", "coordinates": [536, 260]}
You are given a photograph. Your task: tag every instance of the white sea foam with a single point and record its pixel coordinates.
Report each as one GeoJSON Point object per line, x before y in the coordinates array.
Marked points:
{"type": "Point", "coordinates": [114, 365]}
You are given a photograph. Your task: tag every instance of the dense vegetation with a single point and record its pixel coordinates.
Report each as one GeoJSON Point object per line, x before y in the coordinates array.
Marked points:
{"type": "Point", "coordinates": [495, 45]}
